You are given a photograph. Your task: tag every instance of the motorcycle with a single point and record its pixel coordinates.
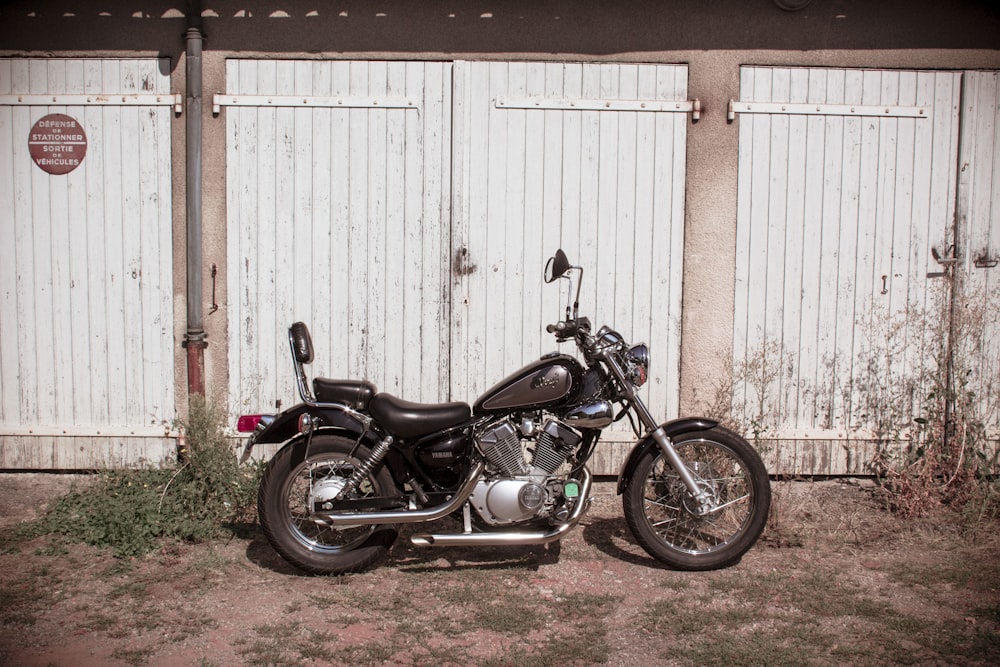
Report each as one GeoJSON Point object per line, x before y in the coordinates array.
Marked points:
{"type": "Point", "coordinates": [511, 468]}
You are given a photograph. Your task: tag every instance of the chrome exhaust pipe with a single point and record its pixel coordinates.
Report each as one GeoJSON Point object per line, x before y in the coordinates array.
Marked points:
{"type": "Point", "coordinates": [344, 519]}
{"type": "Point", "coordinates": [511, 538]}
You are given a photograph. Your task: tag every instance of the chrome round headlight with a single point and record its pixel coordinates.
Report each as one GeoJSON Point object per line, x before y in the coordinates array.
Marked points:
{"type": "Point", "coordinates": [637, 364]}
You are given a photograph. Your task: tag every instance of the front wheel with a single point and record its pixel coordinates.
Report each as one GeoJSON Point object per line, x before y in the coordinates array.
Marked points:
{"type": "Point", "coordinates": [670, 525]}
{"type": "Point", "coordinates": [290, 488]}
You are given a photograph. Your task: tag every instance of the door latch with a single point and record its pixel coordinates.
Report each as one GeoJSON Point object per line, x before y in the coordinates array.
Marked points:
{"type": "Point", "coordinates": [984, 261]}
{"type": "Point", "coordinates": [946, 262]}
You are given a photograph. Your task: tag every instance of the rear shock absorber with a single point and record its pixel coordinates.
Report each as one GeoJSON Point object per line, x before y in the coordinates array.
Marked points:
{"type": "Point", "coordinates": [362, 469]}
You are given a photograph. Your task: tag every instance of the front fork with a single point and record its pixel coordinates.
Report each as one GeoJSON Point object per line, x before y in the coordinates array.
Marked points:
{"type": "Point", "coordinates": [702, 496]}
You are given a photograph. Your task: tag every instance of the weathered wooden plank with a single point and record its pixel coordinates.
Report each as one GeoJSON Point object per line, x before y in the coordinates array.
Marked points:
{"type": "Point", "coordinates": [378, 235]}
{"type": "Point", "coordinates": [244, 321]}
{"type": "Point", "coordinates": [507, 228]}
{"type": "Point", "coordinates": [527, 225]}
{"type": "Point", "coordinates": [559, 209]}
{"type": "Point", "coordinates": [10, 366]}
{"type": "Point", "coordinates": [796, 236]}
{"type": "Point", "coordinates": [131, 232]}
{"type": "Point", "coordinates": [274, 243]}
{"type": "Point", "coordinates": [357, 317]}
{"type": "Point", "coordinates": [40, 315]}
{"type": "Point", "coordinates": [76, 453]}
{"type": "Point", "coordinates": [322, 269]}
{"type": "Point", "coordinates": [744, 199]}
{"type": "Point", "coordinates": [460, 203]}
{"type": "Point", "coordinates": [669, 346]}
{"type": "Point", "coordinates": [405, 295]}
{"type": "Point", "coordinates": [342, 240]}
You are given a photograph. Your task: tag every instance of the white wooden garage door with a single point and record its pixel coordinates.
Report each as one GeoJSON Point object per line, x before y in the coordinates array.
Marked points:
{"type": "Point", "coordinates": [847, 185]}
{"type": "Point", "coordinates": [337, 174]}
{"type": "Point", "coordinates": [587, 157]}
{"type": "Point", "coordinates": [86, 308]}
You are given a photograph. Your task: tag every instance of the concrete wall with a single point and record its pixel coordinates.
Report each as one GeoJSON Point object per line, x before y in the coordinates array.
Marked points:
{"type": "Point", "coordinates": [713, 38]}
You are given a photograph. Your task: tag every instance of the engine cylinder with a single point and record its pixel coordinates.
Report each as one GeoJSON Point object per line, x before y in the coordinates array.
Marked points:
{"type": "Point", "coordinates": [502, 448]}
{"type": "Point", "coordinates": [554, 445]}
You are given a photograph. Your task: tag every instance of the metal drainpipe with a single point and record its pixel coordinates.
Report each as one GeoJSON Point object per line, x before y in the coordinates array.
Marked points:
{"type": "Point", "coordinates": [194, 339]}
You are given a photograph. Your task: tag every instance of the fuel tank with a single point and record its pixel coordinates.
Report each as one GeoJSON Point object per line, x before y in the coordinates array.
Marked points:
{"type": "Point", "coordinates": [553, 381]}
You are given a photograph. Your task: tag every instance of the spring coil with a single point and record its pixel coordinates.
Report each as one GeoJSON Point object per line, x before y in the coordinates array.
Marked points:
{"type": "Point", "coordinates": [364, 467]}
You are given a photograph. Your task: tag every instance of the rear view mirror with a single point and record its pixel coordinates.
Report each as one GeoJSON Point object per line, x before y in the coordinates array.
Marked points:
{"type": "Point", "coordinates": [556, 266]}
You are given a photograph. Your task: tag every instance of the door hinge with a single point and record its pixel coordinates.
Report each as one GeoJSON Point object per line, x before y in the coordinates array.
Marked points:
{"type": "Point", "coordinates": [692, 107]}
{"type": "Point", "coordinates": [822, 109]}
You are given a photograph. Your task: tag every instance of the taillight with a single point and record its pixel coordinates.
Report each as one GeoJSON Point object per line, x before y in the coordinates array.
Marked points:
{"type": "Point", "coordinates": [247, 423]}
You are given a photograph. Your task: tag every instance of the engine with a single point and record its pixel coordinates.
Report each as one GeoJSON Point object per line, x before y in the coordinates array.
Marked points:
{"type": "Point", "coordinates": [522, 485]}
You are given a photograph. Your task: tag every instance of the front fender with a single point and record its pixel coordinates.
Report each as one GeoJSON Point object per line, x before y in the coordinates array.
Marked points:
{"type": "Point", "coordinates": [672, 428]}
{"type": "Point", "coordinates": [286, 425]}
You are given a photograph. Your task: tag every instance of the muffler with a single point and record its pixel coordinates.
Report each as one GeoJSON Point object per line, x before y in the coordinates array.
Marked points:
{"type": "Point", "coordinates": [510, 538]}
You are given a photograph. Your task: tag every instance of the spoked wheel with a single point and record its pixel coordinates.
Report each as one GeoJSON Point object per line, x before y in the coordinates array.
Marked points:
{"type": "Point", "coordinates": [691, 534]}
{"type": "Point", "coordinates": [292, 486]}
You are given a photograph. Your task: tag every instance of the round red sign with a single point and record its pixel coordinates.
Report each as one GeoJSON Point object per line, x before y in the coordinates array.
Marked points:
{"type": "Point", "coordinates": [57, 143]}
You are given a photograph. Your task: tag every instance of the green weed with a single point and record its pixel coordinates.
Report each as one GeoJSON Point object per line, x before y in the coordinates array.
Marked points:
{"type": "Point", "coordinates": [129, 511]}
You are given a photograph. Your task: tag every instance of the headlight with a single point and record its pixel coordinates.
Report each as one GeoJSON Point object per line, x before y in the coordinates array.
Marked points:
{"type": "Point", "coordinates": [637, 364]}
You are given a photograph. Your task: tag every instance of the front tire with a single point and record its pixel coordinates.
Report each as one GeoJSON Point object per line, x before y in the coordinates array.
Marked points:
{"type": "Point", "coordinates": [664, 518]}
{"type": "Point", "coordinates": [291, 482]}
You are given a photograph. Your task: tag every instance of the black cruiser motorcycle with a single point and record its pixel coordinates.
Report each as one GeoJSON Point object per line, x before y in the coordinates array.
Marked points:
{"type": "Point", "coordinates": [511, 468]}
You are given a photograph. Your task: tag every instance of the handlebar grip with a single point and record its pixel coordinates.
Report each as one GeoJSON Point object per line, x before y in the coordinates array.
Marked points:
{"type": "Point", "coordinates": [563, 330]}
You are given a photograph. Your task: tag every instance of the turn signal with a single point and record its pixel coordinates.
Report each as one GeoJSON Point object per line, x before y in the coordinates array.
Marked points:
{"type": "Point", "coordinates": [306, 424]}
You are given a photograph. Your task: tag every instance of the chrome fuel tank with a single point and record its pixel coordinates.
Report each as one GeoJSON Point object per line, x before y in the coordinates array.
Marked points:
{"type": "Point", "coordinates": [552, 381]}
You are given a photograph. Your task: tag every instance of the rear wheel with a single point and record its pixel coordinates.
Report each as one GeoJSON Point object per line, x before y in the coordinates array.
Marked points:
{"type": "Point", "coordinates": [670, 525]}
{"type": "Point", "coordinates": [290, 488]}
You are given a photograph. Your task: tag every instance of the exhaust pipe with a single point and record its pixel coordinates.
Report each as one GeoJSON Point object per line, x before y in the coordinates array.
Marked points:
{"type": "Point", "coordinates": [512, 537]}
{"type": "Point", "coordinates": [342, 519]}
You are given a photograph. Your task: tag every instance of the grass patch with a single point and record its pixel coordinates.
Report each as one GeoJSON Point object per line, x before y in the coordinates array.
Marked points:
{"type": "Point", "coordinates": [135, 655]}
{"type": "Point", "coordinates": [511, 614]}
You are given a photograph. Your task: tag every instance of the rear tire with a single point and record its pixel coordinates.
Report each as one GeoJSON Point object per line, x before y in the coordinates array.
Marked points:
{"type": "Point", "coordinates": [288, 483]}
{"type": "Point", "coordinates": [663, 517]}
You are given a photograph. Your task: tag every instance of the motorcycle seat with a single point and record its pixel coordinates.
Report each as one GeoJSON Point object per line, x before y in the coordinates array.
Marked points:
{"type": "Point", "coordinates": [406, 420]}
{"type": "Point", "coordinates": [356, 394]}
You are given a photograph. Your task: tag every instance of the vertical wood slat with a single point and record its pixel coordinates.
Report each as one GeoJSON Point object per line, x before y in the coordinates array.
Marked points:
{"type": "Point", "coordinates": [836, 219]}
{"type": "Point", "coordinates": [607, 186]}
{"type": "Point", "coordinates": [979, 214]}
{"type": "Point", "coordinates": [86, 289]}
{"type": "Point", "coordinates": [336, 219]}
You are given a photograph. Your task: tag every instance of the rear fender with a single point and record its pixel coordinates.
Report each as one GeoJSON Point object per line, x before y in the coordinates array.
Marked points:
{"type": "Point", "coordinates": [673, 429]}
{"type": "Point", "coordinates": [286, 425]}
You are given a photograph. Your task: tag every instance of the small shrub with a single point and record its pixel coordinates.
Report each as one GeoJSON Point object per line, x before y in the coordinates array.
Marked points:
{"type": "Point", "coordinates": [922, 381]}
{"type": "Point", "coordinates": [129, 510]}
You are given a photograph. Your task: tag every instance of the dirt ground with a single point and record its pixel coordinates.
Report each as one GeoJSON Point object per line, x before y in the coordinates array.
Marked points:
{"type": "Point", "coordinates": [836, 580]}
